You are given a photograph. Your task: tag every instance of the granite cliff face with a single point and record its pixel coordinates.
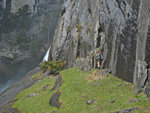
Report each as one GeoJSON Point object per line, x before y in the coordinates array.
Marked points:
{"type": "Point", "coordinates": [120, 28]}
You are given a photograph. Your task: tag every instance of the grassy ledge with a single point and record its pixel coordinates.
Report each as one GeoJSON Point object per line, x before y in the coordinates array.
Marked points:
{"type": "Point", "coordinates": [76, 91]}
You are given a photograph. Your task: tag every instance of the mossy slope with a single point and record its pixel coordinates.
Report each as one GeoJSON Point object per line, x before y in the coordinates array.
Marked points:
{"type": "Point", "coordinates": [76, 91]}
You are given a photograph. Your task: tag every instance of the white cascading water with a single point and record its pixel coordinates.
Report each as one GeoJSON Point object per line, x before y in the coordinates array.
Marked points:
{"type": "Point", "coordinates": [46, 55]}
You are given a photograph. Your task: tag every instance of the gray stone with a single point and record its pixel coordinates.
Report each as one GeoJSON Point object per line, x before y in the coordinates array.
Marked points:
{"type": "Point", "coordinates": [143, 72]}
{"type": "Point", "coordinates": [112, 101]}
{"type": "Point", "coordinates": [128, 110]}
{"type": "Point", "coordinates": [54, 100]}
{"type": "Point", "coordinates": [91, 101]}
{"type": "Point", "coordinates": [95, 84]}
{"type": "Point", "coordinates": [147, 90]}
{"type": "Point", "coordinates": [33, 94]}
{"type": "Point", "coordinates": [105, 72]}
{"type": "Point", "coordinates": [58, 83]}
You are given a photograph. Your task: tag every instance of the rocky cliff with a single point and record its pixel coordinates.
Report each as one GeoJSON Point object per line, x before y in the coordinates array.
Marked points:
{"type": "Point", "coordinates": [26, 27]}
{"type": "Point", "coordinates": [26, 30]}
{"type": "Point", "coordinates": [119, 28]}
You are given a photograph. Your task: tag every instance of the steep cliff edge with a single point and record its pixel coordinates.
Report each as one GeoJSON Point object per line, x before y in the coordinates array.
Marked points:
{"type": "Point", "coordinates": [120, 28]}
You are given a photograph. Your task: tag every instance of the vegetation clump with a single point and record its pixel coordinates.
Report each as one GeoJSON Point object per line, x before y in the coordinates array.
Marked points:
{"type": "Point", "coordinates": [88, 28]}
{"type": "Point", "coordinates": [73, 4]}
{"type": "Point", "coordinates": [68, 29]}
{"type": "Point", "coordinates": [79, 28]}
{"type": "Point", "coordinates": [54, 67]}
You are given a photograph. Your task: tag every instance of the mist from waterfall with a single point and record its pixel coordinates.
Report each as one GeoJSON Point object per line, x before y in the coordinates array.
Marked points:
{"type": "Point", "coordinates": [16, 72]}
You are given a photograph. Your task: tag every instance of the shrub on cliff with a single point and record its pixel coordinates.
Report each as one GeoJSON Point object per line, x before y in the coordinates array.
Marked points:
{"type": "Point", "coordinates": [54, 67]}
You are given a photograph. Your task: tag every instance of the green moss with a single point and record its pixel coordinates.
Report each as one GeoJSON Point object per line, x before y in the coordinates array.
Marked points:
{"type": "Point", "coordinates": [73, 5]}
{"type": "Point", "coordinates": [36, 76]}
{"type": "Point", "coordinates": [68, 29]}
{"type": "Point", "coordinates": [62, 25]}
{"type": "Point", "coordinates": [79, 28]}
{"type": "Point", "coordinates": [55, 66]}
{"type": "Point", "coordinates": [76, 91]}
{"type": "Point", "coordinates": [38, 103]}
{"type": "Point", "coordinates": [88, 30]}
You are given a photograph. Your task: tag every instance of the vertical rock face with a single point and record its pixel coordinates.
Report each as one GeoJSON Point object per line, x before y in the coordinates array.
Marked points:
{"type": "Point", "coordinates": [16, 4]}
{"type": "Point", "coordinates": [120, 28]}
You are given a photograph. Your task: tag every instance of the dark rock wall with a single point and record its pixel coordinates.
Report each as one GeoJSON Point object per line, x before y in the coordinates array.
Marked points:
{"type": "Point", "coordinates": [118, 27]}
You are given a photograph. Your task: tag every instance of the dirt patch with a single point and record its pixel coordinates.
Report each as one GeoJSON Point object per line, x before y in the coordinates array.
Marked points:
{"type": "Point", "coordinates": [96, 75]}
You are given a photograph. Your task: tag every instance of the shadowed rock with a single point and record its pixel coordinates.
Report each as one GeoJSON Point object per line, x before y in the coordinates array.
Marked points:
{"type": "Point", "coordinates": [112, 101]}
{"type": "Point", "coordinates": [128, 110]}
{"type": "Point", "coordinates": [147, 90]}
{"type": "Point", "coordinates": [54, 101]}
{"type": "Point", "coordinates": [45, 87]}
{"type": "Point", "coordinates": [58, 83]}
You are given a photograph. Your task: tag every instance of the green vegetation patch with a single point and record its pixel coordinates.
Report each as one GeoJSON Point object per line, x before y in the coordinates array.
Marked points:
{"type": "Point", "coordinates": [55, 67]}
{"type": "Point", "coordinates": [77, 91]}
{"type": "Point", "coordinates": [38, 103]}
{"type": "Point", "coordinates": [37, 76]}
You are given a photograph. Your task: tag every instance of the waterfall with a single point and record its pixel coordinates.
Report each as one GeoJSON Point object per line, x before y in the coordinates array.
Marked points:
{"type": "Point", "coordinates": [46, 55]}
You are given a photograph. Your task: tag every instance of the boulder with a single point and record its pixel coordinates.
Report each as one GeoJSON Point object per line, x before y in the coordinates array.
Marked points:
{"type": "Point", "coordinates": [142, 73]}
{"type": "Point", "coordinates": [58, 83]}
{"type": "Point", "coordinates": [54, 100]}
{"type": "Point", "coordinates": [91, 101]}
{"type": "Point", "coordinates": [147, 90]}
{"type": "Point", "coordinates": [128, 110]}
{"type": "Point", "coordinates": [112, 101]}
